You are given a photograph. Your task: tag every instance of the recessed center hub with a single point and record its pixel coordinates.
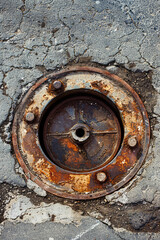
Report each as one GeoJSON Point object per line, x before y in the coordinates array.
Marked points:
{"type": "Point", "coordinates": [80, 132]}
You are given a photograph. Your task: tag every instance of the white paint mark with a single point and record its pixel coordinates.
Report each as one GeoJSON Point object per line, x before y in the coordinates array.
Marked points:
{"type": "Point", "coordinates": [97, 2]}
{"type": "Point", "coordinates": [51, 238]}
{"type": "Point", "coordinates": [89, 229]}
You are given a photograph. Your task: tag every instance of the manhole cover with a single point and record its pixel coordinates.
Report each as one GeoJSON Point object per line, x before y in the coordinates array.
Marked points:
{"type": "Point", "coordinates": [81, 133]}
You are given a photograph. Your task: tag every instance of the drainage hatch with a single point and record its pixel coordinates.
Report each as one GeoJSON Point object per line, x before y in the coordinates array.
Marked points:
{"type": "Point", "coordinates": [81, 133]}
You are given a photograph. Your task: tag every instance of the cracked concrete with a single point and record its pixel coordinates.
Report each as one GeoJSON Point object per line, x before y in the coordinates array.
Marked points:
{"type": "Point", "coordinates": [20, 209]}
{"type": "Point", "coordinates": [37, 37]}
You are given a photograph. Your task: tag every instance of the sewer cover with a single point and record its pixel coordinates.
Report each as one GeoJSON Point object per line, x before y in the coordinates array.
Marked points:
{"type": "Point", "coordinates": [81, 133]}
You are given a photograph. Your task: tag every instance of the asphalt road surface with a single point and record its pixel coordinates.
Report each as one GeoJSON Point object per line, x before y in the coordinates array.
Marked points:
{"type": "Point", "coordinates": [37, 37]}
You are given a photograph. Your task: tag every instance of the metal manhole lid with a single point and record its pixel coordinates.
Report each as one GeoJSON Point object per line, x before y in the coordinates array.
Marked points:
{"type": "Point", "coordinates": [81, 133]}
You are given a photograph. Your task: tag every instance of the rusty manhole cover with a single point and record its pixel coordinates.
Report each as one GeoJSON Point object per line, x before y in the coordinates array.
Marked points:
{"type": "Point", "coordinates": [81, 133]}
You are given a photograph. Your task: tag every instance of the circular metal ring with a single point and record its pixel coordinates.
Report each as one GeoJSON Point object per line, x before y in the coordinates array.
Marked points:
{"type": "Point", "coordinates": [126, 114]}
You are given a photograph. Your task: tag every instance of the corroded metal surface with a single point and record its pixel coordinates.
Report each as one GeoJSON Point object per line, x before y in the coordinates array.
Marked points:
{"type": "Point", "coordinates": [82, 129]}
{"type": "Point", "coordinates": [81, 133]}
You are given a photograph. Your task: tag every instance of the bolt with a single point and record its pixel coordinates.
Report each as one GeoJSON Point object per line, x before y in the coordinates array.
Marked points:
{"type": "Point", "coordinates": [101, 177]}
{"type": "Point", "coordinates": [30, 117]}
{"type": "Point", "coordinates": [132, 141]}
{"type": "Point", "coordinates": [57, 85]}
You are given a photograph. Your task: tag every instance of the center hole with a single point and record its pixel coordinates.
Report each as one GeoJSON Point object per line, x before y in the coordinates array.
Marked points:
{"type": "Point", "coordinates": [80, 132]}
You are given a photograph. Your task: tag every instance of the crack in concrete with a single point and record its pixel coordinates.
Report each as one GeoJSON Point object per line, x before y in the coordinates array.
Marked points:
{"type": "Point", "coordinates": [141, 53]}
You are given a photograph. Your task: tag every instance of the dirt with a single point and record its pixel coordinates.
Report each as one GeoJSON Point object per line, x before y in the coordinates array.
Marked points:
{"type": "Point", "coordinates": [133, 217]}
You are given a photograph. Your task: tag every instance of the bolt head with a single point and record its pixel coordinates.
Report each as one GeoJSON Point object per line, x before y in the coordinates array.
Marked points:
{"type": "Point", "coordinates": [132, 141]}
{"type": "Point", "coordinates": [57, 85]}
{"type": "Point", "coordinates": [101, 177]}
{"type": "Point", "coordinates": [30, 117]}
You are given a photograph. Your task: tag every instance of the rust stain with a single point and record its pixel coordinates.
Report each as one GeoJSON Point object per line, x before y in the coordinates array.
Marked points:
{"type": "Point", "coordinates": [80, 183]}
{"type": "Point", "coordinates": [100, 86]}
{"type": "Point", "coordinates": [72, 154]}
{"type": "Point", "coordinates": [50, 88]}
{"type": "Point", "coordinates": [71, 146]}
{"type": "Point", "coordinates": [72, 184]}
{"type": "Point", "coordinates": [29, 145]}
{"type": "Point", "coordinates": [123, 163]}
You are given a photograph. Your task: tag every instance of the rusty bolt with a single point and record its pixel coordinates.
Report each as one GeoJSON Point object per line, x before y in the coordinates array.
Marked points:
{"type": "Point", "coordinates": [132, 141]}
{"type": "Point", "coordinates": [57, 85]}
{"type": "Point", "coordinates": [101, 177]}
{"type": "Point", "coordinates": [30, 117]}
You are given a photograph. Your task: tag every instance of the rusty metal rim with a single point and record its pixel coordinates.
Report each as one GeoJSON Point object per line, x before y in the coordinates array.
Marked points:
{"type": "Point", "coordinates": [48, 187]}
